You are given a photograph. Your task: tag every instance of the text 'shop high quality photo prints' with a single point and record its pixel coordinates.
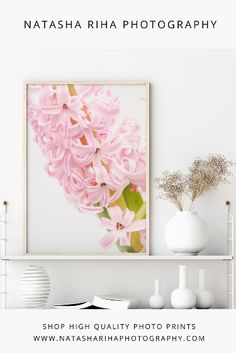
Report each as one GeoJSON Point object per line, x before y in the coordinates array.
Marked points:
{"type": "Point", "coordinates": [87, 167]}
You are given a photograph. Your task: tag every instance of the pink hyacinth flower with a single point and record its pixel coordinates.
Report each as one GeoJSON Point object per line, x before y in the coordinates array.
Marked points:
{"type": "Point", "coordinates": [100, 155]}
{"type": "Point", "coordinates": [120, 225]}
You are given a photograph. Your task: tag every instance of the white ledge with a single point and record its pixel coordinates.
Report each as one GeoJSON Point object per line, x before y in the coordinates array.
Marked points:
{"type": "Point", "coordinates": [133, 257]}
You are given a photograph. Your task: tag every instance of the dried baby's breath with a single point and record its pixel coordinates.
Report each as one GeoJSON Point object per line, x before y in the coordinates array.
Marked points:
{"type": "Point", "coordinates": [172, 187]}
{"type": "Point", "coordinates": [204, 175]}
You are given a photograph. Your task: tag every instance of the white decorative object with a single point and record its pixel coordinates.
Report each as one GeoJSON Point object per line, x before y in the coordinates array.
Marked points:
{"type": "Point", "coordinates": [205, 298]}
{"type": "Point", "coordinates": [183, 297]}
{"type": "Point", "coordinates": [156, 301]}
{"type": "Point", "coordinates": [186, 233]}
{"type": "Point", "coordinates": [35, 287]}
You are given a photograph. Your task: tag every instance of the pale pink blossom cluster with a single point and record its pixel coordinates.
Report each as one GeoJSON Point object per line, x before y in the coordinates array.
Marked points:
{"type": "Point", "coordinates": [120, 225]}
{"type": "Point", "coordinates": [91, 157]}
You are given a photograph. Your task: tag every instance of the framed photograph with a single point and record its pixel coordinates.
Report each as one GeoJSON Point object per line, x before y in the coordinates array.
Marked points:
{"type": "Point", "coordinates": [87, 153]}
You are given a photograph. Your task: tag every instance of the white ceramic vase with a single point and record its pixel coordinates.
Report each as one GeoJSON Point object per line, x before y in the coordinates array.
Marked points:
{"type": "Point", "coordinates": [205, 298]}
{"type": "Point", "coordinates": [183, 297]}
{"type": "Point", "coordinates": [186, 233]}
{"type": "Point", "coordinates": [35, 287]}
{"type": "Point", "coordinates": [156, 301]}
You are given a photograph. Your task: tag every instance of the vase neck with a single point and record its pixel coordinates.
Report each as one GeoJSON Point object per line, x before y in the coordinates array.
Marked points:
{"type": "Point", "coordinates": [182, 276]}
{"type": "Point", "coordinates": [157, 287]}
{"type": "Point", "coordinates": [202, 279]}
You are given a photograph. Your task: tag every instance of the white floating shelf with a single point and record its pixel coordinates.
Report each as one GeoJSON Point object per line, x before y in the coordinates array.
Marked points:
{"type": "Point", "coordinates": [115, 258]}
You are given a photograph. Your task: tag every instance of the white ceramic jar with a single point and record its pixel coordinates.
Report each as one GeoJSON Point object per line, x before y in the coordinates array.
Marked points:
{"type": "Point", "coordinates": [186, 233]}
{"type": "Point", "coordinates": [35, 287]}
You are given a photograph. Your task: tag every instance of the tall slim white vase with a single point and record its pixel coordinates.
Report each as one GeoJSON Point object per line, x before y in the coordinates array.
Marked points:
{"type": "Point", "coordinates": [205, 298]}
{"type": "Point", "coordinates": [183, 297]}
{"type": "Point", "coordinates": [156, 301]}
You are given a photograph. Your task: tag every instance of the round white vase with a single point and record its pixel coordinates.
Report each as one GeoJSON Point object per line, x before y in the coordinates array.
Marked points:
{"type": "Point", "coordinates": [35, 287]}
{"type": "Point", "coordinates": [183, 297]}
{"type": "Point", "coordinates": [186, 233]}
{"type": "Point", "coordinates": [156, 301]}
{"type": "Point", "coordinates": [205, 298]}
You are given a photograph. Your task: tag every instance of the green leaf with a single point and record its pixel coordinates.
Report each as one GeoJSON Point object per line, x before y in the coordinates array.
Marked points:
{"type": "Point", "coordinates": [133, 199]}
{"type": "Point", "coordinates": [135, 242]}
{"type": "Point", "coordinates": [141, 213]}
{"type": "Point", "coordinates": [119, 202]}
{"type": "Point", "coordinates": [124, 249]}
{"type": "Point", "coordinates": [104, 213]}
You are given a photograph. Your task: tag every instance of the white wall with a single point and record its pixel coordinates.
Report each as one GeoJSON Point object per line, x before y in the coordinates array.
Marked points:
{"type": "Point", "coordinates": [193, 113]}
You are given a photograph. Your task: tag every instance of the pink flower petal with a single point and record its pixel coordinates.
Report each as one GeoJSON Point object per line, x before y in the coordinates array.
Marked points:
{"type": "Point", "coordinates": [107, 223]}
{"type": "Point", "coordinates": [75, 104]}
{"type": "Point", "coordinates": [111, 147]}
{"type": "Point", "coordinates": [77, 117]}
{"type": "Point", "coordinates": [51, 109]}
{"type": "Point", "coordinates": [46, 94]}
{"type": "Point", "coordinates": [136, 226]}
{"type": "Point", "coordinates": [101, 174]}
{"type": "Point", "coordinates": [115, 214]}
{"type": "Point", "coordinates": [105, 196]}
{"type": "Point", "coordinates": [90, 138]}
{"type": "Point", "coordinates": [117, 193]}
{"type": "Point", "coordinates": [128, 216]}
{"type": "Point", "coordinates": [82, 161]}
{"type": "Point", "coordinates": [92, 209]}
{"type": "Point", "coordinates": [63, 95]}
{"type": "Point", "coordinates": [109, 239]}
{"type": "Point", "coordinates": [123, 238]}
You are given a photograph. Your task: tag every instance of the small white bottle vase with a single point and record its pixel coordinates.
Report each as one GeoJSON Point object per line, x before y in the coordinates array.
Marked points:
{"type": "Point", "coordinates": [205, 298]}
{"type": "Point", "coordinates": [156, 301]}
{"type": "Point", "coordinates": [183, 297]}
{"type": "Point", "coordinates": [35, 287]}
